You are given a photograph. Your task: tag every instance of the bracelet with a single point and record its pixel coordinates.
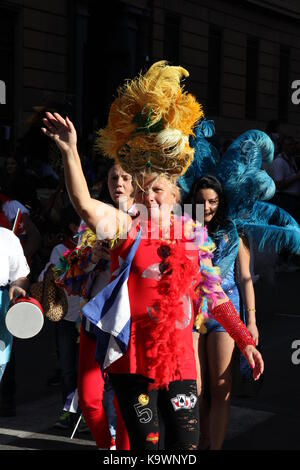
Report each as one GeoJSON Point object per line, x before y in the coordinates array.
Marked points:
{"type": "Point", "coordinates": [249, 310]}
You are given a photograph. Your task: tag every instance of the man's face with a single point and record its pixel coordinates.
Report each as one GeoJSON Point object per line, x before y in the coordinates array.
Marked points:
{"type": "Point", "coordinates": [288, 147]}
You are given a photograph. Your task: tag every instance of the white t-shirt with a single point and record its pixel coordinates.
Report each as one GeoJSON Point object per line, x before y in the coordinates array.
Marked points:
{"type": "Point", "coordinates": [73, 300]}
{"type": "Point", "coordinates": [10, 209]}
{"type": "Point", "coordinates": [13, 263]}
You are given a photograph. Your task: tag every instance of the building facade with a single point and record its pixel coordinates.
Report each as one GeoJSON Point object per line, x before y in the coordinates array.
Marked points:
{"type": "Point", "coordinates": [34, 61]}
{"type": "Point", "coordinates": [243, 57]}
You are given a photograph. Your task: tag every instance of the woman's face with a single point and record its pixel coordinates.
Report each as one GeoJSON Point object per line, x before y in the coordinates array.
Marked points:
{"type": "Point", "coordinates": [11, 166]}
{"type": "Point", "coordinates": [210, 199]}
{"type": "Point", "coordinates": [157, 194]}
{"type": "Point", "coordinates": [120, 186]}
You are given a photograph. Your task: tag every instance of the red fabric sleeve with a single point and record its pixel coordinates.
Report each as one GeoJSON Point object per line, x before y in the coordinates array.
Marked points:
{"type": "Point", "coordinates": [226, 315]}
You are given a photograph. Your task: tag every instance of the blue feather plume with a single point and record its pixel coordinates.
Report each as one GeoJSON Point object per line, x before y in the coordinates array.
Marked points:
{"type": "Point", "coordinates": [246, 187]}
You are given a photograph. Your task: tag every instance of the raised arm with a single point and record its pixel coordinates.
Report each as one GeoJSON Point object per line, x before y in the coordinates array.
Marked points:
{"type": "Point", "coordinates": [102, 218]}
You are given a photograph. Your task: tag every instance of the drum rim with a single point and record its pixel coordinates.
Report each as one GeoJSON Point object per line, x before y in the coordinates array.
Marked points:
{"type": "Point", "coordinates": [28, 300]}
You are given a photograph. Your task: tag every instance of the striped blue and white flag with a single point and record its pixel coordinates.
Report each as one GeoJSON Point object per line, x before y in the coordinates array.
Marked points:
{"type": "Point", "coordinates": [71, 403]}
{"type": "Point", "coordinates": [110, 312]}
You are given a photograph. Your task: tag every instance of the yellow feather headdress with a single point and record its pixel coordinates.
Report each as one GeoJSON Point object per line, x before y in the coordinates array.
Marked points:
{"type": "Point", "coordinates": [150, 122]}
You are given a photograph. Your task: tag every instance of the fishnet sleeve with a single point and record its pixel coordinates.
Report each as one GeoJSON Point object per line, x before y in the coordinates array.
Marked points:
{"type": "Point", "coordinates": [226, 315]}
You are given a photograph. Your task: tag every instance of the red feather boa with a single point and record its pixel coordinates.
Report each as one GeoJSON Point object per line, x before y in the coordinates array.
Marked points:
{"type": "Point", "coordinates": [165, 349]}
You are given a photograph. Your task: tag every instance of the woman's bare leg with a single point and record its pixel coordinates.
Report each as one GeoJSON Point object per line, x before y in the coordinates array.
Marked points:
{"type": "Point", "coordinates": [219, 349]}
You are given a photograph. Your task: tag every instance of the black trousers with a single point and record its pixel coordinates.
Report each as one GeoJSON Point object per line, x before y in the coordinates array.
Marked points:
{"type": "Point", "coordinates": [142, 410]}
{"type": "Point", "coordinates": [68, 347]}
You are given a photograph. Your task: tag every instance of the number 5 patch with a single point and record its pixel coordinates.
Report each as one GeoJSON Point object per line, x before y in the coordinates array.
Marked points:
{"type": "Point", "coordinates": [144, 414]}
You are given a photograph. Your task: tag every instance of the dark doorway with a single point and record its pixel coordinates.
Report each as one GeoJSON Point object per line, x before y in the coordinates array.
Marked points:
{"type": "Point", "coordinates": [7, 79]}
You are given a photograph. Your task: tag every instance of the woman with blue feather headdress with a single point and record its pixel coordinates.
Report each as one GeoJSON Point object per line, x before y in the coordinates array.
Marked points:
{"type": "Point", "coordinates": [234, 189]}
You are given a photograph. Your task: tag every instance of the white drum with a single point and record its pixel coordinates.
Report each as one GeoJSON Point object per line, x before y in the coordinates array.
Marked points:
{"type": "Point", "coordinates": [25, 318]}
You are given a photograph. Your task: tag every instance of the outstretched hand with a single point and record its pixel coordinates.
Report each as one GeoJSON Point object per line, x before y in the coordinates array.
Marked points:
{"type": "Point", "coordinates": [255, 361]}
{"type": "Point", "coordinates": [60, 130]}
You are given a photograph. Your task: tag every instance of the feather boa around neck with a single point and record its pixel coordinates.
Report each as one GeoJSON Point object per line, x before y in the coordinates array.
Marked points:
{"type": "Point", "coordinates": [164, 346]}
{"type": "Point", "coordinates": [181, 279]}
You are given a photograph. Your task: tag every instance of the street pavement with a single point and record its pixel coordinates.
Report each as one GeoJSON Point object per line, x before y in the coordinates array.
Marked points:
{"type": "Point", "coordinates": [269, 421]}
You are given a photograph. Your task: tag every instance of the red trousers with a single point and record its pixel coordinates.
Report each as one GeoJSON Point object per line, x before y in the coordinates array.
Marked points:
{"type": "Point", "coordinates": [90, 394]}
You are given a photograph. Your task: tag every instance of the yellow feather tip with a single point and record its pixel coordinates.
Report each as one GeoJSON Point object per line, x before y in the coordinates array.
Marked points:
{"type": "Point", "coordinates": [157, 98]}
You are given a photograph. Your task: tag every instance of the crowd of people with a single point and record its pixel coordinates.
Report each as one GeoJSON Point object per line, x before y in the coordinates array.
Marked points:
{"type": "Point", "coordinates": [285, 171]}
{"type": "Point", "coordinates": [152, 319]}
